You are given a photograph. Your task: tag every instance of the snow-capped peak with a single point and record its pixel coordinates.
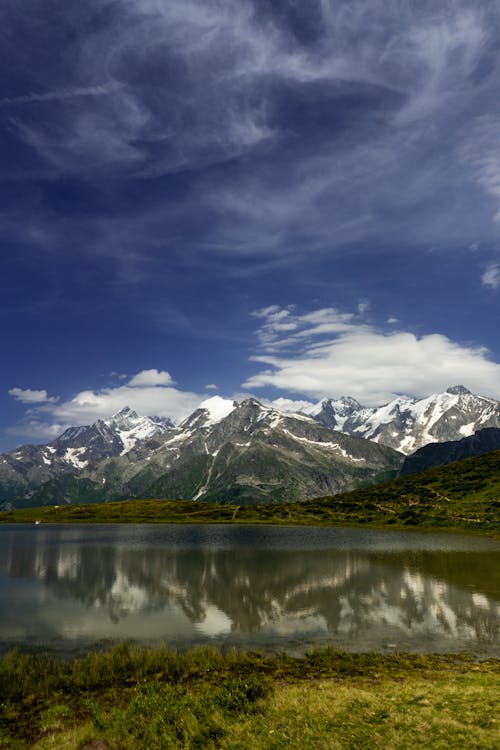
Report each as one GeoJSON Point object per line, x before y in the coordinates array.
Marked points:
{"type": "Point", "coordinates": [124, 418]}
{"type": "Point", "coordinates": [218, 408]}
{"type": "Point", "coordinates": [408, 423]}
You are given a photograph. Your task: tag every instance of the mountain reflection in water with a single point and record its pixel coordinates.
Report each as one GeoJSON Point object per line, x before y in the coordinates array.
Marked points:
{"type": "Point", "coordinates": [57, 585]}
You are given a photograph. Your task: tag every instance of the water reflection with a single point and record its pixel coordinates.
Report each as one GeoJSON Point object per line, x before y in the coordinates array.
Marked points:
{"type": "Point", "coordinates": [59, 587]}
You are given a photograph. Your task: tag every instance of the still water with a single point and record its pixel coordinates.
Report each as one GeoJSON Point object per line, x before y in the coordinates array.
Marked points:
{"type": "Point", "coordinates": [68, 588]}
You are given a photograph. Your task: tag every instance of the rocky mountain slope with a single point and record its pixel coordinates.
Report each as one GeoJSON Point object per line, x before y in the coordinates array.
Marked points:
{"type": "Point", "coordinates": [228, 452]}
{"type": "Point", "coordinates": [30, 466]}
{"type": "Point", "coordinates": [437, 454]}
{"type": "Point", "coordinates": [242, 453]}
{"type": "Point", "coordinates": [407, 424]}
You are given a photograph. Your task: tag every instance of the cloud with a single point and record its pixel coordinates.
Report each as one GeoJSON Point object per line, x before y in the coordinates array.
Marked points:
{"type": "Point", "coordinates": [289, 404]}
{"type": "Point", "coordinates": [61, 95]}
{"type": "Point", "coordinates": [491, 277]}
{"type": "Point", "coordinates": [211, 387]}
{"type": "Point", "coordinates": [481, 150]}
{"type": "Point", "coordinates": [279, 321]}
{"type": "Point", "coordinates": [292, 127]}
{"type": "Point", "coordinates": [151, 378]}
{"type": "Point", "coordinates": [361, 361]}
{"type": "Point", "coordinates": [149, 392]}
{"type": "Point", "coordinates": [28, 396]}
{"type": "Point", "coordinates": [36, 430]}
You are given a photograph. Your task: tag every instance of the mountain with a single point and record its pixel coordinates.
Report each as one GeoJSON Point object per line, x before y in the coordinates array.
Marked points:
{"type": "Point", "coordinates": [30, 466]}
{"type": "Point", "coordinates": [239, 452]}
{"type": "Point", "coordinates": [437, 454]}
{"type": "Point", "coordinates": [224, 451]}
{"type": "Point", "coordinates": [408, 424]}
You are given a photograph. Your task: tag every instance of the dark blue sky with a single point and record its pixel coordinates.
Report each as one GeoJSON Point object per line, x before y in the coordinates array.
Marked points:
{"type": "Point", "coordinates": [290, 199]}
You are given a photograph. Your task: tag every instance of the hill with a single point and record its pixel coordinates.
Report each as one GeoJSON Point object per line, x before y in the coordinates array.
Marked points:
{"type": "Point", "coordinates": [461, 495]}
{"type": "Point", "coordinates": [437, 454]}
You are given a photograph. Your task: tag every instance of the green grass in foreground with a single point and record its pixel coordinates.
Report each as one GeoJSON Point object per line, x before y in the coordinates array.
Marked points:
{"type": "Point", "coordinates": [462, 495]}
{"type": "Point", "coordinates": [137, 699]}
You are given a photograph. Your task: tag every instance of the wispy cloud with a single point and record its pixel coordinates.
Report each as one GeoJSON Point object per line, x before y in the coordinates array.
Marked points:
{"type": "Point", "coordinates": [61, 95]}
{"type": "Point", "coordinates": [332, 354]}
{"type": "Point", "coordinates": [29, 396]}
{"type": "Point", "coordinates": [491, 277]}
{"type": "Point", "coordinates": [334, 104]}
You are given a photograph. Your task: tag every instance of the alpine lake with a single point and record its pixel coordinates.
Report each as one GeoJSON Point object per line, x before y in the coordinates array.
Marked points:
{"type": "Point", "coordinates": [65, 589]}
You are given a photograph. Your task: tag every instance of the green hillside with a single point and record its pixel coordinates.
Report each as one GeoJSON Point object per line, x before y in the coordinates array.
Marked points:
{"type": "Point", "coordinates": [465, 495]}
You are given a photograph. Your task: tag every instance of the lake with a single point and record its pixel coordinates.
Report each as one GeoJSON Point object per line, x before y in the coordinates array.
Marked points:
{"type": "Point", "coordinates": [69, 588]}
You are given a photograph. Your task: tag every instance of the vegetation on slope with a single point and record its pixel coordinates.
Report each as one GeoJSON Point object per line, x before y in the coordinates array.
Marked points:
{"type": "Point", "coordinates": [157, 699]}
{"type": "Point", "coordinates": [465, 495]}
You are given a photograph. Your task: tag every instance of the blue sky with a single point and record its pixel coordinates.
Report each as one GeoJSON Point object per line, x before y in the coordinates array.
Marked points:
{"type": "Point", "coordinates": [290, 199]}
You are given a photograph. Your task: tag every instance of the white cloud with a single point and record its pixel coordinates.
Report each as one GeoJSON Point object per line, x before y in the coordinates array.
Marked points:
{"type": "Point", "coordinates": [289, 404]}
{"type": "Point", "coordinates": [29, 396]}
{"type": "Point", "coordinates": [149, 392]}
{"type": "Point", "coordinates": [151, 378]}
{"type": "Point", "coordinates": [279, 321]}
{"type": "Point", "coordinates": [211, 387]}
{"type": "Point", "coordinates": [34, 430]}
{"type": "Point", "coordinates": [366, 363]}
{"type": "Point", "coordinates": [491, 277]}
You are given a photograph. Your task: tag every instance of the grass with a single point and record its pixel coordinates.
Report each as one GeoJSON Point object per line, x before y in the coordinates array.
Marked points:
{"type": "Point", "coordinates": [144, 699]}
{"type": "Point", "coordinates": [463, 495]}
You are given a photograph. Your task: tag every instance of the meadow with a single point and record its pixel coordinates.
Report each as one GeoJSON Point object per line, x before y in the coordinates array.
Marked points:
{"type": "Point", "coordinates": [131, 698]}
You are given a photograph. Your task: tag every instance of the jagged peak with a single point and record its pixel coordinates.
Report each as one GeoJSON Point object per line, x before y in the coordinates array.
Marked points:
{"type": "Point", "coordinates": [252, 401]}
{"type": "Point", "coordinates": [458, 390]}
{"type": "Point", "coordinates": [125, 413]}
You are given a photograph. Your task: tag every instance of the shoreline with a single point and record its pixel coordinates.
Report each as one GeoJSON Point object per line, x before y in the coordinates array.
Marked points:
{"type": "Point", "coordinates": [316, 513]}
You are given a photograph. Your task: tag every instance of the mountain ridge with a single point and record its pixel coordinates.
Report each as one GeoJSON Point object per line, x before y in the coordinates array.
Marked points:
{"type": "Point", "coordinates": [247, 452]}
{"type": "Point", "coordinates": [407, 424]}
{"type": "Point", "coordinates": [243, 452]}
{"type": "Point", "coordinates": [439, 454]}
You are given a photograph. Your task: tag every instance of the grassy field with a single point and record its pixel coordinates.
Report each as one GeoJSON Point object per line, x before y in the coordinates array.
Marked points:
{"type": "Point", "coordinates": [462, 495]}
{"type": "Point", "coordinates": [146, 699]}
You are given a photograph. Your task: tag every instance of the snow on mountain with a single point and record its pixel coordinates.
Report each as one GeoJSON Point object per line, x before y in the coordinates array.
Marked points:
{"type": "Point", "coordinates": [335, 412]}
{"type": "Point", "coordinates": [407, 424]}
{"type": "Point", "coordinates": [240, 452]}
{"type": "Point", "coordinates": [218, 408]}
{"type": "Point", "coordinates": [254, 453]}
{"type": "Point", "coordinates": [131, 429]}
{"type": "Point", "coordinates": [226, 452]}
{"type": "Point", "coordinates": [116, 435]}
{"type": "Point", "coordinates": [78, 448]}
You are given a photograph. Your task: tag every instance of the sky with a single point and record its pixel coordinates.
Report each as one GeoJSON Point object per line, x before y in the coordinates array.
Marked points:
{"type": "Point", "coordinates": [296, 199]}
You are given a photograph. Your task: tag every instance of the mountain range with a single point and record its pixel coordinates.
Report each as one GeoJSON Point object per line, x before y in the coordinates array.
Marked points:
{"type": "Point", "coordinates": [408, 424]}
{"type": "Point", "coordinates": [238, 452]}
